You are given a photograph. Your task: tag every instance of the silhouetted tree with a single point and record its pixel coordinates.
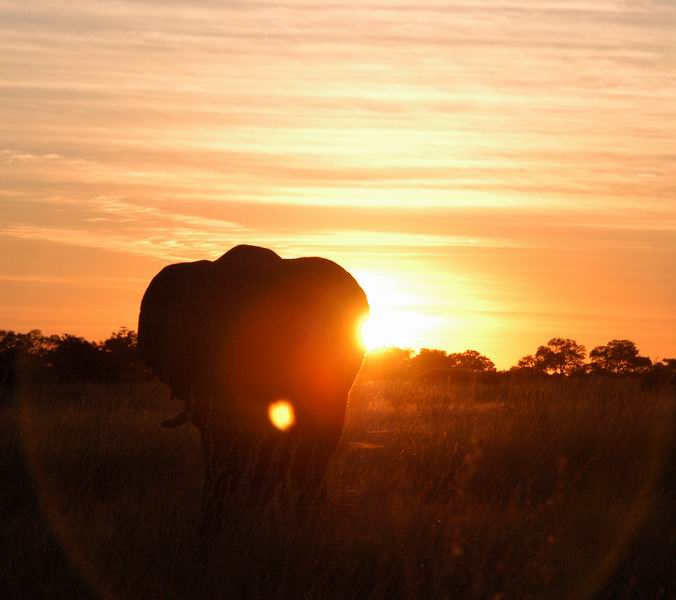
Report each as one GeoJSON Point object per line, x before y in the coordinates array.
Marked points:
{"type": "Point", "coordinates": [660, 375]}
{"type": "Point", "coordinates": [562, 356]}
{"type": "Point", "coordinates": [9, 352]}
{"type": "Point", "coordinates": [121, 361]}
{"type": "Point", "coordinates": [429, 359]}
{"type": "Point", "coordinates": [73, 358]}
{"type": "Point", "coordinates": [620, 357]}
{"type": "Point", "coordinates": [670, 363]}
{"type": "Point", "coordinates": [388, 363]}
{"type": "Point", "coordinates": [526, 363]}
{"type": "Point", "coordinates": [471, 360]}
{"type": "Point", "coordinates": [36, 357]}
{"type": "Point", "coordinates": [20, 354]}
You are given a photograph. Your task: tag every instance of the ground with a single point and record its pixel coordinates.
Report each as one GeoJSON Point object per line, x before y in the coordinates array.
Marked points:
{"type": "Point", "coordinates": [517, 489]}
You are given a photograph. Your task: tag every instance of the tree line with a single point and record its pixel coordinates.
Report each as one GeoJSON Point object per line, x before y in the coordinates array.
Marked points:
{"type": "Point", "coordinates": [70, 358]}
{"type": "Point", "coordinates": [558, 357]}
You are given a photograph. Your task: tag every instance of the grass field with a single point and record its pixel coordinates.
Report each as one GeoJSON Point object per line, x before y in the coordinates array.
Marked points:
{"type": "Point", "coordinates": [541, 489]}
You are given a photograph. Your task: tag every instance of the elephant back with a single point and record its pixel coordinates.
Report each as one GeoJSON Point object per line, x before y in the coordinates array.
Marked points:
{"type": "Point", "coordinates": [250, 259]}
{"type": "Point", "coordinates": [285, 328]}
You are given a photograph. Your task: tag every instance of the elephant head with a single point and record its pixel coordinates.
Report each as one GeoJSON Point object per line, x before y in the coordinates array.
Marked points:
{"type": "Point", "coordinates": [239, 335]}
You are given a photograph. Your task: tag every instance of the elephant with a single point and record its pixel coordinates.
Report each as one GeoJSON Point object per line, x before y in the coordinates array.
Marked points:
{"type": "Point", "coordinates": [236, 337]}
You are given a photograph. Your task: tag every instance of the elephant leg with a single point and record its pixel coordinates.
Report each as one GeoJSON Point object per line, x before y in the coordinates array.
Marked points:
{"type": "Point", "coordinates": [226, 479]}
{"type": "Point", "coordinates": [307, 471]}
{"type": "Point", "coordinates": [214, 485]}
{"type": "Point", "coordinates": [210, 521]}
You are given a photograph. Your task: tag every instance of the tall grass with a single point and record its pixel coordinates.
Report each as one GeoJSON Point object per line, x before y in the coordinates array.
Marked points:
{"type": "Point", "coordinates": [548, 489]}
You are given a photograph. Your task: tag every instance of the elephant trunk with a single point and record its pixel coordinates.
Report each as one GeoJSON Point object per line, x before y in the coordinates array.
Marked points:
{"type": "Point", "coordinates": [182, 417]}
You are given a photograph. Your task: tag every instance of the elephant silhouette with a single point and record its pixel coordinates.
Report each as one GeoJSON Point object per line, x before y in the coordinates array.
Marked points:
{"type": "Point", "coordinates": [263, 352]}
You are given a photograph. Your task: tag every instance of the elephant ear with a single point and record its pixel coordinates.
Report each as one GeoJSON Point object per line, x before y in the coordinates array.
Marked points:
{"type": "Point", "coordinates": [332, 304]}
{"type": "Point", "coordinates": [170, 322]}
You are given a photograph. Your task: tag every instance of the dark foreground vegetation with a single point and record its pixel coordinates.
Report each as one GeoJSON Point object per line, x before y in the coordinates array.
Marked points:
{"type": "Point", "coordinates": [515, 487]}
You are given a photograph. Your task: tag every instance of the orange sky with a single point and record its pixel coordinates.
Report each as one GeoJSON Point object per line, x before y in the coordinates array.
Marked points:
{"type": "Point", "coordinates": [496, 173]}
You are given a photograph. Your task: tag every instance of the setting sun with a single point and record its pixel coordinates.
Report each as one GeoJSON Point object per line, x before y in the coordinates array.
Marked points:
{"type": "Point", "coordinates": [392, 328]}
{"type": "Point", "coordinates": [396, 318]}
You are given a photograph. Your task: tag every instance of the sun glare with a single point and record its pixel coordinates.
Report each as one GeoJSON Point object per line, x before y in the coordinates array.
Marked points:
{"type": "Point", "coordinates": [281, 414]}
{"type": "Point", "coordinates": [394, 320]}
{"type": "Point", "coordinates": [392, 328]}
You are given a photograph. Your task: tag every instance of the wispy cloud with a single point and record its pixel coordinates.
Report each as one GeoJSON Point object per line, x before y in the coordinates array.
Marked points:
{"type": "Point", "coordinates": [436, 103]}
{"type": "Point", "coordinates": [63, 280]}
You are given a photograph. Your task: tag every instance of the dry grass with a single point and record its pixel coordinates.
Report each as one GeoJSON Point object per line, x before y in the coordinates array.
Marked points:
{"type": "Point", "coordinates": [553, 489]}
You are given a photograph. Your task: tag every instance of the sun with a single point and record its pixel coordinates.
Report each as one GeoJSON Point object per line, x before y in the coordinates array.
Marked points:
{"type": "Point", "coordinates": [385, 328]}
{"type": "Point", "coordinates": [395, 318]}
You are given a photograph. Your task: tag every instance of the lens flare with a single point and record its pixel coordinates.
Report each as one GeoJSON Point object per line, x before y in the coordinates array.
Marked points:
{"type": "Point", "coordinates": [281, 414]}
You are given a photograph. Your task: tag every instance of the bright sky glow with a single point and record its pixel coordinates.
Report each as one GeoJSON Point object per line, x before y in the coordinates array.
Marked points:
{"type": "Point", "coordinates": [397, 316]}
{"type": "Point", "coordinates": [495, 173]}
